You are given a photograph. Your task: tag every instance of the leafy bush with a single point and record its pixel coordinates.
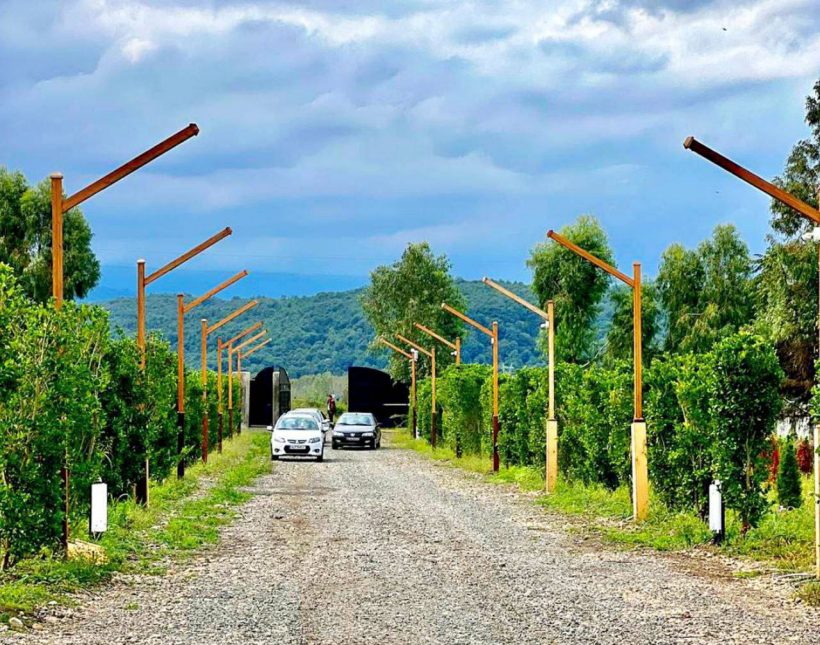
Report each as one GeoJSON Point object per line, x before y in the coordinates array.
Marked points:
{"type": "Point", "coordinates": [788, 478]}
{"type": "Point", "coordinates": [742, 378]}
{"type": "Point", "coordinates": [459, 394]}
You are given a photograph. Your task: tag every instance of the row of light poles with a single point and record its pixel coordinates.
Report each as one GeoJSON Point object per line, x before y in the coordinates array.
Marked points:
{"type": "Point", "coordinates": [59, 206]}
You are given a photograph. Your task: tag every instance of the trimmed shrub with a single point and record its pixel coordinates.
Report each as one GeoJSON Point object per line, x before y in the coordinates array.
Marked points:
{"type": "Point", "coordinates": [789, 490]}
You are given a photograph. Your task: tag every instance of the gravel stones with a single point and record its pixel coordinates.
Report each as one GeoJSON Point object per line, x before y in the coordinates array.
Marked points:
{"type": "Point", "coordinates": [387, 547]}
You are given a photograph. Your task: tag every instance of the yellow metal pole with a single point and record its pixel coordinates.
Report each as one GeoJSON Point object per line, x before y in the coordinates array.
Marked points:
{"type": "Point", "coordinates": [230, 385]}
{"type": "Point", "coordinates": [433, 428]}
{"type": "Point", "coordinates": [204, 390]}
{"type": "Point", "coordinates": [458, 350]}
{"type": "Point", "coordinates": [496, 461]}
{"type": "Point", "coordinates": [180, 385]}
{"type": "Point", "coordinates": [640, 474]}
{"type": "Point", "coordinates": [817, 438]}
{"type": "Point", "coordinates": [219, 392]}
{"type": "Point", "coordinates": [413, 393]}
{"type": "Point", "coordinates": [57, 238]}
{"type": "Point", "coordinates": [141, 310]}
{"type": "Point", "coordinates": [551, 474]}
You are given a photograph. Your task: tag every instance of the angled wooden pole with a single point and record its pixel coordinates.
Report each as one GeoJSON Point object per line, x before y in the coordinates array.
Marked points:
{"type": "Point", "coordinates": [143, 281]}
{"type": "Point", "coordinates": [256, 348]}
{"type": "Point", "coordinates": [59, 206]}
{"type": "Point", "coordinates": [411, 403]}
{"type": "Point", "coordinates": [455, 346]}
{"type": "Point", "coordinates": [206, 330]}
{"type": "Point", "coordinates": [229, 346]}
{"type": "Point", "coordinates": [183, 309]}
{"type": "Point", "coordinates": [751, 178]}
{"type": "Point", "coordinates": [493, 334]}
{"type": "Point", "coordinates": [431, 354]}
{"type": "Point", "coordinates": [551, 424]}
{"type": "Point", "coordinates": [640, 474]}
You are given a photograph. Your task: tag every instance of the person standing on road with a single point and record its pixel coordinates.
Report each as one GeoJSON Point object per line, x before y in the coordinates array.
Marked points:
{"type": "Point", "coordinates": [331, 407]}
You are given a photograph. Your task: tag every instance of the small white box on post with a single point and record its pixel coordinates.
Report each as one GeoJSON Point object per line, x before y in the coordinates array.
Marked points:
{"type": "Point", "coordinates": [717, 515]}
{"type": "Point", "coordinates": [98, 522]}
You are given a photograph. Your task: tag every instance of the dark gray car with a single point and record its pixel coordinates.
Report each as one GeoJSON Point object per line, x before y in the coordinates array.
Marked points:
{"type": "Point", "coordinates": [357, 429]}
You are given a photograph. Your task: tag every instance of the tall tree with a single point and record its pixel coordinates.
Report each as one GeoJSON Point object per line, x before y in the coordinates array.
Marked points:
{"type": "Point", "coordinates": [707, 294]}
{"type": "Point", "coordinates": [576, 286]}
{"type": "Point", "coordinates": [409, 291]}
{"type": "Point", "coordinates": [619, 337]}
{"type": "Point", "coordinates": [25, 240]}
{"type": "Point", "coordinates": [787, 284]}
{"type": "Point", "coordinates": [802, 173]}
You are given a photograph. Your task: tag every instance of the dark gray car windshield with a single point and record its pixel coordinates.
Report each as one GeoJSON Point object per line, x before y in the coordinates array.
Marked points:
{"type": "Point", "coordinates": [356, 419]}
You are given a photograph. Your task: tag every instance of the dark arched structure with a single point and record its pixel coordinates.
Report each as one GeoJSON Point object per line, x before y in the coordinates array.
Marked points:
{"type": "Point", "coordinates": [371, 390]}
{"type": "Point", "coordinates": [269, 396]}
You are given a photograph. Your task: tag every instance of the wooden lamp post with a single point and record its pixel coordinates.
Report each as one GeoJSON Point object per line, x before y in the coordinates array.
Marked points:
{"type": "Point", "coordinates": [640, 474]}
{"type": "Point", "coordinates": [493, 335]}
{"type": "Point", "coordinates": [206, 331]}
{"type": "Point", "coordinates": [238, 351]}
{"type": "Point", "coordinates": [551, 463]}
{"type": "Point", "coordinates": [455, 346]}
{"type": "Point", "coordinates": [412, 358]}
{"type": "Point", "coordinates": [431, 354]}
{"type": "Point", "coordinates": [183, 309]}
{"type": "Point", "coordinates": [227, 345]}
{"type": "Point", "coordinates": [143, 281]}
{"type": "Point", "coordinates": [59, 205]}
{"type": "Point", "coordinates": [811, 214]}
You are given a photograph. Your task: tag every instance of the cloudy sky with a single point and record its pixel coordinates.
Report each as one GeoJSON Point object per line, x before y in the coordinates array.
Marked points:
{"type": "Point", "coordinates": [334, 132]}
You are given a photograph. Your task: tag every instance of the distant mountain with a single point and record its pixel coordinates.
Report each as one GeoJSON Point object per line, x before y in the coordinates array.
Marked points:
{"type": "Point", "coordinates": [327, 332]}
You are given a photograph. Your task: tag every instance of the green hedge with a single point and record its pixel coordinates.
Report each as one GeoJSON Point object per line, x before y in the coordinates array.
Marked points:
{"type": "Point", "coordinates": [707, 416]}
{"type": "Point", "coordinates": [70, 394]}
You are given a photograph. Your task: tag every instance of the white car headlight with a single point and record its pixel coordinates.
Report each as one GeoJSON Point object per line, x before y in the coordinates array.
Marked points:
{"type": "Point", "coordinates": [279, 440]}
{"type": "Point", "coordinates": [314, 440]}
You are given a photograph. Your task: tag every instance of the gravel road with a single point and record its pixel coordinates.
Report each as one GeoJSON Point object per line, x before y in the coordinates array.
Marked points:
{"type": "Point", "coordinates": [388, 547]}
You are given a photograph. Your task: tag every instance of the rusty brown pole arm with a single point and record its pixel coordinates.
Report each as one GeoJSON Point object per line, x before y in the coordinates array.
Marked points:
{"type": "Point", "coordinates": [749, 177]}
{"type": "Point", "coordinates": [255, 348]}
{"type": "Point", "coordinates": [515, 297]}
{"type": "Point", "coordinates": [466, 319]}
{"type": "Point", "coordinates": [395, 348]}
{"type": "Point", "coordinates": [199, 248]}
{"type": "Point", "coordinates": [415, 346]}
{"type": "Point", "coordinates": [214, 291]}
{"type": "Point", "coordinates": [242, 334]}
{"type": "Point", "coordinates": [127, 168]}
{"type": "Point", "coordinates": [252, 339]}
{"type": "Point", "coordinates": [234, 314]}
{"type": "Point", "coordinates": [590, 258]}
{"type": "Point", "coordinates": [434, 335]}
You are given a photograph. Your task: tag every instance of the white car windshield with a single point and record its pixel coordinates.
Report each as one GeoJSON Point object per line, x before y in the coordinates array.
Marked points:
{"type": "Point", "coordinates": [297, 423]}
{"type": "Point", "coordinates": [356, 419]}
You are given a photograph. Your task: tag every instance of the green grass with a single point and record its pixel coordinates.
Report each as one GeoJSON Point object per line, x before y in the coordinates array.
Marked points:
{"type": "Point", "coordinates": [184, 516]}
{"type": "Point", "coordinates": [809, 593]}
{"type": "Point", "coordinates": [784, 539]}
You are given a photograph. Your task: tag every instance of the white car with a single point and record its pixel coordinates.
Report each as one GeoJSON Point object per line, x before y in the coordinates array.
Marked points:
{"type": "Point", "coordinates": [317, 414]}
{"type": "Point", "coordinates": [297, 435]}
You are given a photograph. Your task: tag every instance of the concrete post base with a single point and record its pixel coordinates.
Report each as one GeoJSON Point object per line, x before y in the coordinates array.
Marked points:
{"type": "Point", "coordinates": [640, 472]}
{"type": "Point", "coordinates": [552, 455]}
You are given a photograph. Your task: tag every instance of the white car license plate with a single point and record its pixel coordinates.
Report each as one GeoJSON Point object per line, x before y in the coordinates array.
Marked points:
{"type": "Point", "coordinates": [353, 438]}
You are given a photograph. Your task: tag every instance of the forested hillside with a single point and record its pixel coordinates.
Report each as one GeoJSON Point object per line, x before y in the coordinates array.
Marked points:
{"type": "Point", "coordinates": [328, 332]}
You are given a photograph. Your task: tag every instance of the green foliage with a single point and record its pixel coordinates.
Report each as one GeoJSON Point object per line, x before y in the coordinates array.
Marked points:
{"type": "Point", "coordinates": [72, 396]}
{"type": "Point", "coordinates": [707, 293]}
{"type": "Point", "coordinates": [411, 291]}
{"type": "Point", "coordinates": [789, 491]}
{"type": "Point", "coordinates": [802, 173]}
{"type": "Point", "coordinates": [619, 338]}
{"type": "Point", "coordinates": [576, 286]}
{"type": "Point", "coordinates": [742, 378]}
{"type": "Point", "coordinates": [459, 394]}
{"type": "Point", "coordinates": [25, 239]}
{"type": "Point", "coordinates": [680, 464]}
